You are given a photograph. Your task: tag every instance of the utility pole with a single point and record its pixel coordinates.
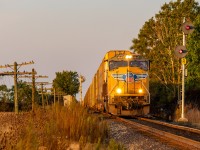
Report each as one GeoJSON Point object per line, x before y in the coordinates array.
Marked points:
{"type": "Point", "coordinates": [54, 98]}
{"type": "Point", "coordinates": [15, 88]}
{"type": "Point", "coordinates": [52, 92]}
{"type": "Point", "coordinates": [81, 80]}
{"type": "Point", "coordinates": [42, 91]}
{"type": "Point", "coordinates": [33, 89]}
{"type": "Point", "coordinates": [42, 95]}
{"type": "Point", "coordinates": [15, 73]}
{"type": "Point", "coordinates": [34, 77]}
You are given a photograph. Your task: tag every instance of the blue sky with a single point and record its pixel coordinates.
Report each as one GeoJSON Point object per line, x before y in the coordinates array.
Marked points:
{"type": "Point", "coordinates": [67, 34]}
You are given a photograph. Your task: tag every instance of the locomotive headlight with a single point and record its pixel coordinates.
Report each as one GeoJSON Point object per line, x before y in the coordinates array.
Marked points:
{"type": "Point", "coordinates": [140, 91]}
{"type": "Point", "coordinates": [119, 91]}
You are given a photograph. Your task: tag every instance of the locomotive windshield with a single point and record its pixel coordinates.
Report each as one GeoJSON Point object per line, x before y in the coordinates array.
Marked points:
{"type": "Point", "coordinates": [116, 64]}
{"type": "Point", "coordinates": [141, 64]}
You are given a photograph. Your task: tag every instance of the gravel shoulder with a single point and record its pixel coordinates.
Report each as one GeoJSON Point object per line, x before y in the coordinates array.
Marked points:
{"type": "Point", "coordinates": [135, 140]}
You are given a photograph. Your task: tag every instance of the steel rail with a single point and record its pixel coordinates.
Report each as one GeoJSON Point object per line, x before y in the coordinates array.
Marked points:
{"type": "Point", "coordinates": [172, 125]}
{"type": "Point", "coordinates": [178, 140]}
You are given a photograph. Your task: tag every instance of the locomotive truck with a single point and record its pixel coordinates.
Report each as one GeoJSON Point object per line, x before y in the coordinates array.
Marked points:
{"type": "Point", "coordinates": [120, 85]}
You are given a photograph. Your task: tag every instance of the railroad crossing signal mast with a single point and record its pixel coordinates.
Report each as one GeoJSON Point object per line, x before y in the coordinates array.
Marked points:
{"type": "Point", "coordinates": [181, 52]}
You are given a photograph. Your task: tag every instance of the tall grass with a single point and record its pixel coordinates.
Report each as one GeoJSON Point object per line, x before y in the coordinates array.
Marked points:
{"type": "Point", "coordinates": [193, 115]}
{"type": "Point", "coordinates": [57, 127]}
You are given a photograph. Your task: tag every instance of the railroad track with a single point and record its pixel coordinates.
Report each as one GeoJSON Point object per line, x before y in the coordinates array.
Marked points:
{"type": "Point", "coordinates": [186, 137]}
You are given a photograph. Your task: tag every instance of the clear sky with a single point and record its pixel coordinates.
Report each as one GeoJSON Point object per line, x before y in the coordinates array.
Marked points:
{"type": "Point", "coordinates": [68, 34]}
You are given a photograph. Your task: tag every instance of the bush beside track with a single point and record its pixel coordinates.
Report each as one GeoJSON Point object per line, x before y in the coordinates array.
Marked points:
{"type": "Point", "coordinates": [55, 127]}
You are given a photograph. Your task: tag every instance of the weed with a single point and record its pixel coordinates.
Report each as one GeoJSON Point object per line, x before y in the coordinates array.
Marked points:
{"type": "Point", "coordinates": [56, 128]}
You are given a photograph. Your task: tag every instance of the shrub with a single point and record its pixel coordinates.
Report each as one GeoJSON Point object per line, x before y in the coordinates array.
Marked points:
{"type": "Point", "coordinates": [56, 127]}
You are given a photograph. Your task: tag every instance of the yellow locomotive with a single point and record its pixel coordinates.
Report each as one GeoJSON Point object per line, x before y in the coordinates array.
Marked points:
{"type": "Point", "coordinates": [121, 85]}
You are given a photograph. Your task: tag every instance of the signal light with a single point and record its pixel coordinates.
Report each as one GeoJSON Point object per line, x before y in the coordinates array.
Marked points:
{"type": "Point", "coordinates": [180, 51]}
{"type": "Point", "coordinates": [187, 27]}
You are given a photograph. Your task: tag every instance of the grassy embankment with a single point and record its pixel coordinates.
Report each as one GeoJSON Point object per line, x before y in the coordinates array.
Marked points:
{"type": "Point", "coordinates": [192, 113]}
{"type": "Point", "coordinates": [59, 127]}
{"type": "Point", "coordinates": [193, 116]}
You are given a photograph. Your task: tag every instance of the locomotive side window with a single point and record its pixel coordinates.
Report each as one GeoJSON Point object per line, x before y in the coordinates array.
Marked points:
{"type": "Point", "coordinates": [141, 64]}
{"type": "Point", "coordinates": [116, 64]}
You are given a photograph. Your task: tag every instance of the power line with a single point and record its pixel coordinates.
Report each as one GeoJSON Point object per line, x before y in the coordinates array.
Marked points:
{"type": "Point", "coordinates": [34, 77]}
{"type": "Point", "coordinates": [15, 67]}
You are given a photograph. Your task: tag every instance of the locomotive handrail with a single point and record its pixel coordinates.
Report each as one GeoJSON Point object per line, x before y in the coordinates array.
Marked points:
{"type": "Point", "coordinates": [147, 91]}
{"type": "Point", "coordinates": [113, 88]}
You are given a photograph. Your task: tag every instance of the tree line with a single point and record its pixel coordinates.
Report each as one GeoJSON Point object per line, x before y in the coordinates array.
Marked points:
{"type": "Point", "coordinates": [157, 40]}
{"type": "Point", "coordinates": [65, 82]}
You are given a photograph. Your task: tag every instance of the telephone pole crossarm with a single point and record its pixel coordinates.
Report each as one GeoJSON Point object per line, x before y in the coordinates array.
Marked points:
{"type": "Point", "coordinates": [35, 76]}
{"type": "Point", "coordinates": [15, 73]}
{"type": "Point", "coordinates": [6, 73]}
{"type": "Point", "coordinates": [22, 64]}
{"type": "Point", "coordinates": [18, 73]}
{"type": "Point", "coordinates": [25, 63]}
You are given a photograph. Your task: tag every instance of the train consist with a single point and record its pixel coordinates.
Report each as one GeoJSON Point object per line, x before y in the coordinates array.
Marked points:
{"type": "Point", "coordinates": [121, 85]}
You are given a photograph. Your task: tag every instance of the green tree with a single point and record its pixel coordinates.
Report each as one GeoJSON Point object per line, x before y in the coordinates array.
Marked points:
{"type": "Point", "coordinates": [4, 93]}
{"type": "Point", "coordinates": [24, 95]}
{"type": "Point", "coordinates": [193, 57]}
{"type": "Point", "coordinates": [160, 35]}
{"type": "Point", "coordinates": [5, 104]}
{"type": "Point", "coordinates": [67, 82]}
{"type": "Point", "coordinates": [157, 40]}
{"type": "Point", "coordinates": [193, 66]}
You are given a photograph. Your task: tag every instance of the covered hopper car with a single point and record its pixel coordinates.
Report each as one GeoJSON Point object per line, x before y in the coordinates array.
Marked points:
{"type": "Point", "coordinates": [121, 85]}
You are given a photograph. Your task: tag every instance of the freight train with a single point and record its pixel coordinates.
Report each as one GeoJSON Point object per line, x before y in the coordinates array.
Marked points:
{"type": "Point", "coordinates": [121, 85]}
